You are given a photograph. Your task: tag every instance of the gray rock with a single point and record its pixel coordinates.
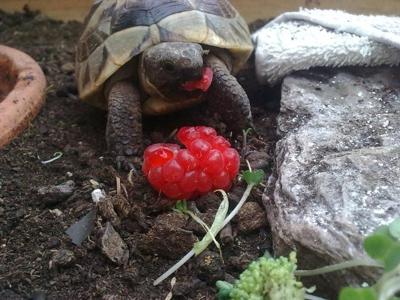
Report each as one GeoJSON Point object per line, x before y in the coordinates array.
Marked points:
{"type": "Point", "coordinates": [62, 258]}
{"type": "Point", "coordinates": [113, 246]}
{"type": "Point", "coordinates": [54, 194]}
{"type": "Point", "coordinates": [337, 165]}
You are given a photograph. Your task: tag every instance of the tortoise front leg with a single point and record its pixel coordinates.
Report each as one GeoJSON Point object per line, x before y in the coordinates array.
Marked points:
{"type": "Point", "coordinates": [227, 97]}
{"type": "Point", "coordinates": [124, 124]}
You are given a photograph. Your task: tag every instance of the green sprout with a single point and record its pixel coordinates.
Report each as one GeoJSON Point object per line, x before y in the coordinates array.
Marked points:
{"type": "Point", "coordinates": [266, 278]}
{"type": "Point", "coordinates": [252, 178]}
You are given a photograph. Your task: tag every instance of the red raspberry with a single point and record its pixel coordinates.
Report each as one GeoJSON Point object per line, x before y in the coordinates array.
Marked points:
{"type": "Point", "coordinates": [207, 164]}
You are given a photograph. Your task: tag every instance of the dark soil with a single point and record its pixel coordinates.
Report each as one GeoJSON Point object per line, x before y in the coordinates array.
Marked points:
{"type": "Point", "coordinates": [38, 259]}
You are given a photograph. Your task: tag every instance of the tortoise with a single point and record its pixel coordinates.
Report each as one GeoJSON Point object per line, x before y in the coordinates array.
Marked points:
{"type": "Point", "coordinates": [154, 57]}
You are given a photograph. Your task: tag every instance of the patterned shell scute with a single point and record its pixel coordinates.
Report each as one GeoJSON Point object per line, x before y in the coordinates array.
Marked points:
{"type": "Point", "coordinates": [118, 30]}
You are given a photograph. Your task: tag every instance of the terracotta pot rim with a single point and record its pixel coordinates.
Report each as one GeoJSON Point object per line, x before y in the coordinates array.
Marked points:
{"type": "Point", "coordinates": [25, 99]}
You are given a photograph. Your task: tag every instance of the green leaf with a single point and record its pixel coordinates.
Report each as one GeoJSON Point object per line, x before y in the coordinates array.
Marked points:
{"type": "Point", "coordinates": [181, 206]}
{"type": "Point", "coordinates": [377, 245]}
{"type": "Point", "coordinates": [394, 229]}
{"type": "Point", "coordinates": [206, 229]}
{"type": "Point", "coordinates": [357, 294]}
{"type": "Point", "coordinates": [253, 177]}
{"type": "Point", "coordinates": [215, 227]}
{"type": "Point", "coordinates": [224, 290]}
{"type": "Point", "coordinates": [392, 257]}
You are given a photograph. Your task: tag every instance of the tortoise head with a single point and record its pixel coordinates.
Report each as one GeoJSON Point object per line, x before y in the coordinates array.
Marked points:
{"type": "Point", "coordinates": [167, 67]}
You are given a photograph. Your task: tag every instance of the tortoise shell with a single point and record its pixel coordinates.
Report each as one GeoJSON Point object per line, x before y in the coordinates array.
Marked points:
{"type": "Point", "coordinates": [118, 30]}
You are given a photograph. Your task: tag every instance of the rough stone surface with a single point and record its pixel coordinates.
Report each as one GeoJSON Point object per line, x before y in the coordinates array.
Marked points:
{"type": "Point", "coordinates": [62, 258]}
{"type": "Point", "coordinates": [337, 164]}
{"type": "Point", "coordinates": [113, 246]}
{"type": "Point", "coordinates": [54, 194]}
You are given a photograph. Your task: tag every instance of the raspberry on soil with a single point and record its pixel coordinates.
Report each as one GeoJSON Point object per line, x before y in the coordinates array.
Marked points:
{"type": "Point", "coordinates": [207, 163]}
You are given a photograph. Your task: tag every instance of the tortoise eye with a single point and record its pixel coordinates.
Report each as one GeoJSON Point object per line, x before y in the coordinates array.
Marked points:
{"type": "Point", "coordinates": [168, 66]}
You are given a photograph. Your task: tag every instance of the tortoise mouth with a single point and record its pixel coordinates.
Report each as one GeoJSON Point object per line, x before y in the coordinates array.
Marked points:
{"type": "Point", "coordinates": [188, 90]}
{"type": "Point", "coordinates": [202, 84]}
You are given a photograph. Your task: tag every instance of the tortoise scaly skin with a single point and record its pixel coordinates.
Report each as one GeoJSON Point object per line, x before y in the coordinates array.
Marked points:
{"type": "Point", "coordinates": [135, 55]}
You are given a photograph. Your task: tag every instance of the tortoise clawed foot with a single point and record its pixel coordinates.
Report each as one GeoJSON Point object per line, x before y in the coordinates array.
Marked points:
{"type": "Point", "coordinates": [130, 159]}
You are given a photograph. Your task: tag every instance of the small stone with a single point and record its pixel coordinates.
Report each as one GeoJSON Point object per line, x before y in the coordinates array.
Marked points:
{"type": "Point", "coordinates": [113, 246]}
{"type": "Point", "coordinates": [62, 258]}
{"type": "Point", "coordinates": [68, 67]}
{"type": "Point", "coordinates": [56, 212]}
{"type": "Point", "coordinates": [55, 194]}
{"type": "Point", "coordinates": [226, 235]}
{"type": "Point", "coordinates": [98, 195]}
{"type": "Point", "coordinates": [106, 210]}
{"type": "Point", "coordinates": [121, 206]}
{"type": "Point", "coordinates": [251, 217]}
{"type": "Point", "coordinates": [53, 243]}
{"type": "Point", "coordinates": [2, 210]}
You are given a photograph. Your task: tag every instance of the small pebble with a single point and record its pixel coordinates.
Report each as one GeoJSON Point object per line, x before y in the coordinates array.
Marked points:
{"type": "Point", "coordinates": [53, 243]}
{"type": "Point", "coordinates": [55, 194]}
{"type": "Point", "coordinates": [68, 67]}
{"type": "Point", "coordinates": [62, 258]}
{"type": "Point", "coordinates": [113, 246]}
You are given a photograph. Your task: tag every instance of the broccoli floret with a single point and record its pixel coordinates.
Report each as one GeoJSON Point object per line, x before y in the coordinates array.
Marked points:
{"type": "Point", "coordinates": [268, 279]}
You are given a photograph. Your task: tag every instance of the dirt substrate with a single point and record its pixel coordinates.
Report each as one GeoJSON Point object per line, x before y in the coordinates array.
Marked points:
{"type": "Point", "coordinates": [37, 258]}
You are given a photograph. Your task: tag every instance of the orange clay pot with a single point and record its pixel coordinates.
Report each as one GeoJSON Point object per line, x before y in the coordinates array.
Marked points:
{"type": "Point", "coordinates": [22, 92]}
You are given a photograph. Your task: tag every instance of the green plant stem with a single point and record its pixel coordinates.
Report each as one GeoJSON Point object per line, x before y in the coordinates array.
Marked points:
{"type": "Point", "coordinates": [172, 270]}
{"type": "Point", "coordinates": [190, 254]}
{"type": "Point", "coordinates": [207, 229]}
{"type": "Point", "coordinates": [239, 205]}
{"type": "Point", "coordinates": [340, 266]}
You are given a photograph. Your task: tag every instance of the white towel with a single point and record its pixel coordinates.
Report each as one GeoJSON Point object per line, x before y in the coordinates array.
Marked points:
{"type": "Point", "coordinates": [331, 38]}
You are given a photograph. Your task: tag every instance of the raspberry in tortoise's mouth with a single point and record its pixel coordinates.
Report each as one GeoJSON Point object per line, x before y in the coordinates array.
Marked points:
{"type": "Point", "coordinates": [202, 84]}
